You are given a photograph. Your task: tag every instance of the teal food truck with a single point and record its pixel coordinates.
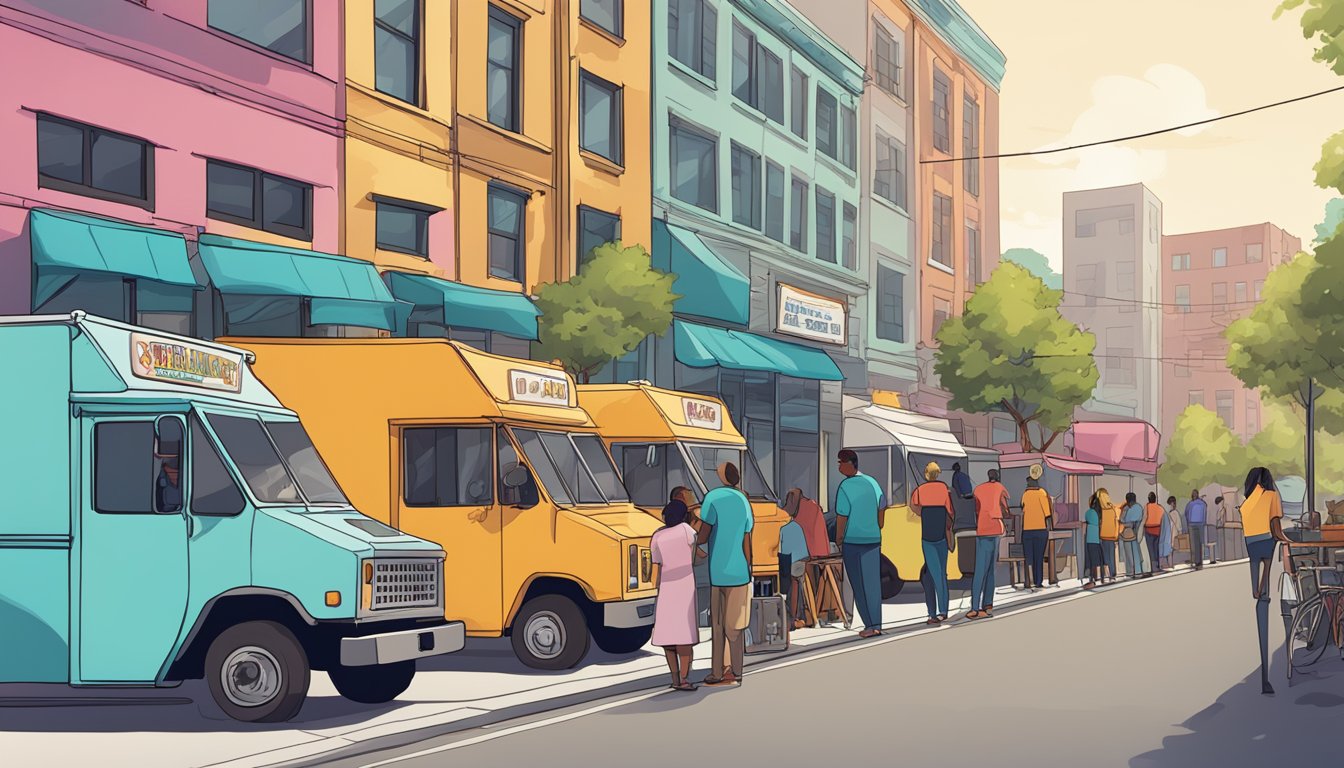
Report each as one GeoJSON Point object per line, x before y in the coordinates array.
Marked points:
{"type": "Point", "coordinates": [163, 517]}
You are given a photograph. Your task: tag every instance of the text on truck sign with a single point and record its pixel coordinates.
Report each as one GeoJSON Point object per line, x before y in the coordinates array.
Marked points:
{"type": "Point", "coordinates": [538, 388]}
{"type": "Point", "coordinates": [702, 413]}
{"type": "Point", "coordinates": [182, 363]}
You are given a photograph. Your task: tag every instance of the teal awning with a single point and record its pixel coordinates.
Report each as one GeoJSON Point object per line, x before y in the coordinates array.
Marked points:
{"type": "Point", "coordinates": [701, 346]}
{"type": "Point", "coordinates": [65, 245]}
{"type": "Point", "coordinates": [466, 306]}
{"type": "Point", "coordinates": [340, 290]}
{"type": "Point", "coordinates": [708, 285]}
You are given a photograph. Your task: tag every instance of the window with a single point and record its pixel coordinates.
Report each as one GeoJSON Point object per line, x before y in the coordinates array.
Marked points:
{"type": "Point", "coordinates": [606, 14]}
{"type": "Point", "coordinates": [849, 244]}
{"type": "Point", "coordinates": [1183, 299]}
{"type": "Point", "coordinates": [83, 160]}
{"type": "Point", "coordinates": [1124, 285]}
{"type": "Point", "coordinates": [396, 49]}
{"type": "Point", "coordinates": [692, 27]}
{"type": "Point", "coordinates": [1219, 257]}
{"type": "Point", "coordinates": [942, 309]}
{"type": "Point", "coordinates": [890, 304]}
{"type": "Point", "coordinates": [596, 228]}
{"type": "Point", "coordinates": [889, 181]}
{"type": "Point", "coordinates": [1224, 401]}
{"type": "Point", "coordinates": [970, 144]}
{"type": "Point", "coordinates": [213, 491]}
{"type": "Point", "coordinates": [503, 78]}
{"type": "Point", "coordinates": [744, 64]}
{"type": "Point", "coordinates": [403, 228]}
{"type": "Point", "coordinates": [798, 215]}
{"type": "Point", "coordinates": [746, 183]}
{"type": "Point", "coordinates": [825, 225]}
{"type": "Point", "coordinates": [1220, 295]}
{"type": "Point", "coordinates": [1085, 220]}
{"type": "Point", "coordinates": [1154, 223]}
{"type": "Point", "coordinates": [827, 117]}
{"type": "Point", "coordinates": [1252, 425]}
{"type": "Point", "coordinates": [277, 25]}
{"type": "Point", "coordinates": [125, 471]}
{"type": "Point", "coordinates": [942, 108]}
{"type": "Point", "coordinates": [771, 88]}
{"type": "Point", "coordinates": [301, 458]}
{"type": "Point", "coordinates": [848, 138]}
{"type": "Point", "coordinates": [798, 102]}
{"type": "Point", "coordinates": [1120, 364]}
{"type": "Point", "coordinates": [695, 167]}
{"type": "Point", "coordinates": [507, 209]}
{"type": "Point", "coordinates": [447, 467]}
{"type": "Point", "coordinates": [257, 199]}
{"type": "Point", "coordinates": [1180, 262]}
{"type": "Point", "coordinates": [601, 121]}
{"type": "Point", "coordinates": [506, 460]}
{"type": "Point", "coordinates": [1183, 370]}
{"type": "Point", "coordinates": [886, 60]}
{"type": "Point", "coordinates": [1089, 285]}
{"type": "Point", "coordinates": [972, 256]}
{"type": "Point", "coordinates": [1255, 253]}
{"type": "Point", "coordinates": [1239, 294]}
{"type": "Point", "coordinates": [1259, 288]}
{"type": "Point", "coordinates": [1126, 226]}
{"type": "Point", "coordinates": [1194, 397]}
{"type": "Point", "coordinates": [940, 249]}
{"type": "Point", "coordinates": [774, 201]}
{"type": "Point", "coordinates": [651, 471]}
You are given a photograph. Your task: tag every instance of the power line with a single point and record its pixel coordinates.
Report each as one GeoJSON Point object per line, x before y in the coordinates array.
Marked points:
{"type": "Point", "coordinates": [1156, 304]}
{"type": "Point", "coordinates": [1137, 135]}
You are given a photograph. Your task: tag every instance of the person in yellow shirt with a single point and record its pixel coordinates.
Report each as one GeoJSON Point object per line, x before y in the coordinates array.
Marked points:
{"type": "Point", "coordinates": [1262, 524]}
{"type": "Point", "coordinates": [1110, 534]}
{"type": "Point", "coordinates": [1037, 516]}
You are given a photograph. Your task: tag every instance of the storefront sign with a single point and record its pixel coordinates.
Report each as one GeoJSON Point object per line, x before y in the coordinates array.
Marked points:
{"type": "Point", "coordinates": [811, 316]}
{"type": "Point", "coordinates": [702, 413]}
{"type": "Point", "coordinates": [538, 388]}
{"type": "Point", "coordinates": [181, 363]}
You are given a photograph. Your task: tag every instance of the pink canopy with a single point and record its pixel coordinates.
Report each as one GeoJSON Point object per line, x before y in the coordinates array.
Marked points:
{"type": "Point", "coordinates": [1126, 445]}
{"type": "Point", "coordinates": [1058, 463]}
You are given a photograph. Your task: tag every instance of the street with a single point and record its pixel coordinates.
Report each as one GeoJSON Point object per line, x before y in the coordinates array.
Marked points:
{"type": "Point", "coordinates": [1156, 673]}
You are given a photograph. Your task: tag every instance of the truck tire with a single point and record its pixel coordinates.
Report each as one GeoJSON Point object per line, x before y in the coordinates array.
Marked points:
{"type": "Point", "coordinates": [890, 579]}
{"type": "Point", "coordinates": [257, 672]}
{"type": "Point", "coordinates": [374, 684]}
{"type": "Point", "coordinates": [622, 641]}
{"type": "Point", "coordinates": [550, 633]}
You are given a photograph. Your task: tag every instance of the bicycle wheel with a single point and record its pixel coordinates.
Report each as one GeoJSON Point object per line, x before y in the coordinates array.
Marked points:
{"type": "Point", "coordinates": [1307, 637]}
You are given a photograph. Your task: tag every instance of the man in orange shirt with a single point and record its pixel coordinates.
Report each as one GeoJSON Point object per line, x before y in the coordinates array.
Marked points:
{"type": "Point", "coordinates": [1037, 516]}
{"type": "Point", "coordinates": [1152, 532]}
{"type": "Point", "coordinates": [991, 506]}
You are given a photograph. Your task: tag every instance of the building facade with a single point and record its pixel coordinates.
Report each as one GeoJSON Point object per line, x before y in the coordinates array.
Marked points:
{"type": "Point", "coordinates": [1112, 286]}
{"type": "Point", "coordinates": [1210, 280]}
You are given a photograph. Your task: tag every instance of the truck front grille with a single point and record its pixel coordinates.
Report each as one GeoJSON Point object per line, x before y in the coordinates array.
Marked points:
{"type": "Point", "coordinates": [409, 583]}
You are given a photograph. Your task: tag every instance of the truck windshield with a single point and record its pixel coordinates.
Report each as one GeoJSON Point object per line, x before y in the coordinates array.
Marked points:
{"type": "Point", "coordinates": [304, 461]}
{"type": "Point", "coordinates": [574, 468]}
{"type": "Point", "coordinates": [707, 458]}
{"type": "Point", "coordinates": [253, 450]}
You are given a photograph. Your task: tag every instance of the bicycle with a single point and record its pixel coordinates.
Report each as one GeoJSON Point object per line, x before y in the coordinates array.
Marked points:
{"type": "Point", "coordinates": [1318, 619]}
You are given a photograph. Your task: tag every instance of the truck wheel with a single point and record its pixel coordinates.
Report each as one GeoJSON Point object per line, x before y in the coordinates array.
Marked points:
{"type": "Point", "coordinates": [550, 633]}
{"type": "Point", "coordinates": [374, 684]}
{"type": "Point", "coordinates": [891, 580]}
{"type": "Point", "coordinates": [257, 672]}
{"type": "Point", "coordinates": [622, 641]}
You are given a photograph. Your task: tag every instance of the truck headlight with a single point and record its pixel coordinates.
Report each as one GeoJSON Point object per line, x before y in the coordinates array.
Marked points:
{"type": "Point", "coordinates": [366, 586]}
{"type": "Point", "coordinates": [634, 567]}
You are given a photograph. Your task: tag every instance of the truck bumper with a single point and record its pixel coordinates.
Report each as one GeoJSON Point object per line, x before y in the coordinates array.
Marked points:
{"type": "Point", "coordinates": [408, 644]}
{"type": "Point", "coordinates": [628, 614]}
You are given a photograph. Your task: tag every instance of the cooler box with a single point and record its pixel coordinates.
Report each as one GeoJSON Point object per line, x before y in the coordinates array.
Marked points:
{"type": "Point", "coordinates": [768, 631]}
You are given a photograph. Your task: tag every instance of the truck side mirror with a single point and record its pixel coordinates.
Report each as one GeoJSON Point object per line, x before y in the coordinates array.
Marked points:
{"type": "Point", "coordinates": [517, 477]}
{"type": "Point", "coordinates": [168, 433]}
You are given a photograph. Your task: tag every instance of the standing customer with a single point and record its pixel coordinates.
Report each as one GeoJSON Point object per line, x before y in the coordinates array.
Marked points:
{"type": "Point", "coordinates": [725, 523]}
{"type": "Point", "coordinates": [991, 506]}
{"type": "Point", "coordinates": [1092, 542]}
{"type": "Point", "coordinates": [1037, 516]}
{"type": "Point", "coordinates": [1152, 533]}
{"type": "Point", "coordinates": [793, 554]}
{"type": "Point", "coordinates": [1132, 535]}
{"type": "Point", "coordinates": [932, 504]}
{"type": "Point", "coordinates": [1262, 522]}
{"type": "Point", "coordinates": [1171, 524]}
{"type": "Point", "coordinates": [1109, 533]}
{"type": "Point", "coordinates": [861, 512]}
{"type": "Point", "coordinates": [675, 627]}
{"type": "Point", "coordinates": [1196, 513]}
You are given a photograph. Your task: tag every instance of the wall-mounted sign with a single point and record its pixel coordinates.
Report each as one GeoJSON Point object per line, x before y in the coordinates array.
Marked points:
{"type": "Point", "coordinates": [179, 362]}
{"type": "Point", "coordinates": [538, 388]}
{"type": "Point", "coordinates": [811, 316]}
{"type": "Point", "coordinates": [702, 413]}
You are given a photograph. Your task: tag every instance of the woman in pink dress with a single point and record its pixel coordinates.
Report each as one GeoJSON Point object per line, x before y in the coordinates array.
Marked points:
{"type": "Point", "coordinates": [674, 622]}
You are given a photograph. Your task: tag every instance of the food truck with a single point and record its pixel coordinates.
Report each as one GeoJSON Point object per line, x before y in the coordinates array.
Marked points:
{"type": "Point", "coordinates": [166, 518]}
{"type": "Point", "coordinates": [492, 458]}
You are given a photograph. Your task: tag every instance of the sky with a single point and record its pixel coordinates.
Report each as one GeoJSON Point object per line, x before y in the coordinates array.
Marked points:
{"type": "Point", "coordinates": [1084, 71]}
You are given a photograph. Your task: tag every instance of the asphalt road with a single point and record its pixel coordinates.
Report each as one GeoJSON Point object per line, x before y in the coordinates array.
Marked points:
{"type": "Point", "coordinates": [1161, 673]}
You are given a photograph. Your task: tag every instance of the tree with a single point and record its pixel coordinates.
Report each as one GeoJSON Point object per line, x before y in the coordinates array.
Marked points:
{"type": "Point", "coordinates": [1012, 351]}
{"type": "Point", "coordinates": [1202, 451]}
{"type": "Point", "coordinates": [1324, 21]}
{"type": "Point", "coordinates": [1036, 264]}
{"type": "Point", "coordinates": [615, 302]}
{"type": "Point", "coordinates": [1330, 223]}
{"type": "Point", "coordinates": [1278, 444]}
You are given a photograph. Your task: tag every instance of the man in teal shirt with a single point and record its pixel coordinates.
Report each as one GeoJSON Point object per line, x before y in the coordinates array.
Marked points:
{"type": "Point", "coordinates": [861, 510]}
{"type": "Point", "coordinates": [726, 523]}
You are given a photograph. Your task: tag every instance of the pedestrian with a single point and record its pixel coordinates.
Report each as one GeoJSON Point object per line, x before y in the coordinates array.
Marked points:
{"type": "Point", "coordinates": [1152, 533]}
{"type": "Point", "coordinates": [1171, 523]}
{"type": "Point", "coordinates": [1109, 533]}
{"type": "Point", "coordinates": [932, 504]}
{"type": "Point", "coordinates": [1037, 519]}
{"type": "Point", "coordinates": [991, 507]}
{"type": "Point", "coordinates": [1262, 525]}
{"type": "Point", "coordinates": [675, 628]}
{"type": "Point", "coordinates": [807, 513]}
{"type": "Point", "coordinates": [725, 524]}
{"type": "Point", "coordinates": [1132, 534]}
{"type": "Point", "coordinates": [961, 482]}
{"type": "Point", "coordinates": [1093, 558]}
{"type": "Point", "coordinates": [1196, 512]}
{"type": "Point", "coordinates": [793, 556]}
{"type": "Point", "coordinates": [860, 507]}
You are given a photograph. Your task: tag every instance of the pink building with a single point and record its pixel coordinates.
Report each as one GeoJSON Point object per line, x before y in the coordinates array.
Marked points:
{"type": "Point", "coordinates": [1210, 279]}
{"type": "Point", "coordinates": [174, 118]}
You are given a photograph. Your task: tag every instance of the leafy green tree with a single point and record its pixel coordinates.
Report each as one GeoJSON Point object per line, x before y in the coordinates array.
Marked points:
{"type": "Point", "coordinates": [1012, 351]}
{"type": "Point", "coordinates": [1279, 443]}
{"type": "Point", "coordinates": [615, 301]}
{"type": "Point", "coordinates": [1323, 20]}
{"type": "Point", "coordinates": [1036, 264]}
{"type": "Point", "coordinates": [1334, 217]}
{"type": "Point", "coordinates": [1201, 451]}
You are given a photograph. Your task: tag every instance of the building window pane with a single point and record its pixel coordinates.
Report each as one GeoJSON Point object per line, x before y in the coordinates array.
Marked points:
{"type": "Point", "coordinates": [229, 190]}
{"type": "Point", "coordinates": [1239, 293]}
{"type": "Point", "coordinates": [942, 310]}
{"type": "Point", "coordinates": [1220, 295]}
{"type": "Point", "coordinates": [798, 215]}
{"type": "Point", "coordinates": [771, 86]}
{"type": "Point", "coordinates": [1180, 262]}
{"type": "Point", "coordinates": [970, 144]}
{"type": "Point", "coordinates": [1255, 253]}
{"type": "Point", "coordinates": [972, 256]}
{"type": "Point", "coordinates": [117, 164]}
{"type": "Point", "coordinates": [396, 49]}
{"type": "Point", "coordinates": [507, 209]}
{"type": "Point", "coordinates": [941, 246]}
{"type": "Point", "coordinates": [1225, 403]}
{"type": "Point", "coordinates": [83, 160]}
{"type": "Point", "coordinates": [1259, 288]}
{"type": "Point", "coordinates": [601, 123]}
{"type": "Point", "coordinates": [596, 228]}
{"type": "Point", "coordinates": [1194, 397]}
{"type": "Point", "coordinates": [256, 199]}
{"type": "Point", "coordinates": [848, 137]}
{"type": "Point", "coordinates": [692, 34]}
{"type": "Point", "coordinates": [606, 14]}
{"type": "Point", "coordinates": [695, 171]}
{"type": "Point", "coordinates": [889, 182]}
{"type": "Point", "coordinates": [890, 304]}
{"type": "Point", "coordinates": [887, 61]}
{"type": "Point", "coordinates": [825, 225]}
{"type": "Point", "coordinates": [402, 229]}
{"type": "Point", "coordinates": [774, 201]}
{"type": "Point", "coordinates": [744, 64]}
{"type": "Point", "coordinates": [1183, 299]}
{"type": "Point", "coordinates": [284, 203]}
{"type": "Point", "coordinates": [1119, 365]}
{"type": "Point", "coordinates": [1220, 257]}
{"type": "Point", "coordinates": [278, 25]}
{"type": "Point", "coordinates": [942, 109]}
{"type": "Point", "coordinates": [827, 118]}
{"type": "Point", "coordinates": [849, 244]}
{"type": "Point", "coordinates": [502, 77]}
{"type": "Point", "coordinates": [746, 183]}
{"type": "Point", "coordinates": [798, 93]}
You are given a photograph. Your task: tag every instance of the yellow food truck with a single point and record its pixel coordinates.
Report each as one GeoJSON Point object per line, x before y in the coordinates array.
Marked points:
{"type": "Point", "coordinates": [492, 458]}
{"type": "Point", "coordinates": [661, 439]}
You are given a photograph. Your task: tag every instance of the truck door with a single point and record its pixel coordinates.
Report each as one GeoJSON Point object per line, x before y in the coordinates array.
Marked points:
{"type": "Point", "coordinates": [133, 547]}
{"type": "Point", "coordinates": [447, 495]}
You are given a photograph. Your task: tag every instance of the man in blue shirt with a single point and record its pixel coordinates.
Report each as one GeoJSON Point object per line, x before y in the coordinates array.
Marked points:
{"type": "Point", "coordinates": [1196, 517]}
{"type": "Point", "coordinates": [726, 526]}
{"type": "Point", "coordinates": [861, 512]}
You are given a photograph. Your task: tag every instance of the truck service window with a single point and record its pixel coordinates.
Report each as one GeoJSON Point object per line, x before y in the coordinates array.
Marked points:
{"type": "Point", "coordinates": [250, 448]}
{"type": "Point", "coordinates": [447, 467]}
{"type": "Point", "coordinates": [599, 464]}
{"type": "Point", "coordinates": [305, 462]}
{"type": "Point", "coordinates": [213, 491]}
{"type": "Point", "coordinates": [124, 470]}
{"type": "Point", "coordinates": [708, 458]}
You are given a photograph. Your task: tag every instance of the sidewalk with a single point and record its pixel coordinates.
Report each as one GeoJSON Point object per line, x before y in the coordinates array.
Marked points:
{"type": "Point", "coordinates": [483, 684]}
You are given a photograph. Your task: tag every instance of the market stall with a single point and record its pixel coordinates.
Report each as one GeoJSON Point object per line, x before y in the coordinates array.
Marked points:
{"type": "Point", "coordinates": [1070, 484]}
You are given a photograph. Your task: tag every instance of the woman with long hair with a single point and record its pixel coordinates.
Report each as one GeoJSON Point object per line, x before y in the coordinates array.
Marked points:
{"type": "Point", "coordinates": [675, 628]}
{"type": "Point", "coordinates": [1110, 533]}
{"type": "Point", "coordinates": [1262, 525]}
{"type": "Point", "coordinates": [1092, 543]}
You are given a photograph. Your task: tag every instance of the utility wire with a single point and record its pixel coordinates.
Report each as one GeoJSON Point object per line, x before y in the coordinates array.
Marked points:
{"type": "Point", "coordinates": [1134, 136]}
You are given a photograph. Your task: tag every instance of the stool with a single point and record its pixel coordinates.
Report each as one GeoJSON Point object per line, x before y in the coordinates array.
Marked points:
{"type": "Point", "coordinates": [826, 572]}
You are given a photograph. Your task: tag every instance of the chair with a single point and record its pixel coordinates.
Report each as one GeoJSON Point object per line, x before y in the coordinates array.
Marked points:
{"type": "Point", "coordinates": [1012, 553]}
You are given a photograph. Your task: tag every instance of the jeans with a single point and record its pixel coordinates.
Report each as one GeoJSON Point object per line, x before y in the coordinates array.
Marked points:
{"type": "Point", "coordinates": [1108, 557]}
{"type": "Point", "coordinates": [1134, 555]}
{"type": "Point", "coordinates": [1154, 542]}
{"type": "Point", "coordinates": [1033, 549]}
{"type": "Point", "coordinates": [1197, 545]}
{"type": "Point", "coordinates": [986, 559]}
{"type": "Point", "coordinates": [935, 562]}
{"type": "Point", "coordinates": [863, 565]}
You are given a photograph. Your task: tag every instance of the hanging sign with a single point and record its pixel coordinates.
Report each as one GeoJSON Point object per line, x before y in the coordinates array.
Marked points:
{"type": "Point", "coordinates": [538, 388]}
{"type": "Point", "coordinates": [179, 362]}
{"type": "Point", "coordinates": [702, 413]}
{"type": "Point", "coordinates": [811, 316]}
